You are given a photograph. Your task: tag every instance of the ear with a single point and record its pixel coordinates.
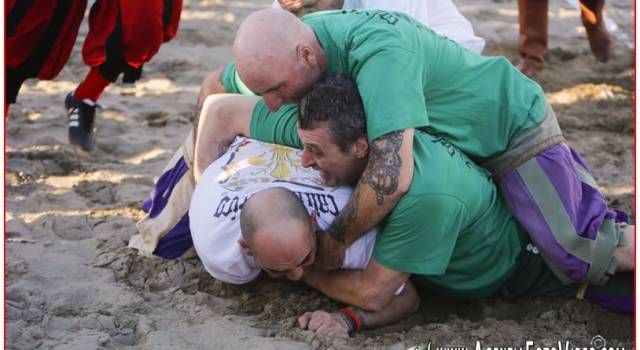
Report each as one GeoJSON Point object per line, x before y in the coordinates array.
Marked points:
{"type": "Point", "coordinates": [314, 221]}
{"type": "Point", "coordinates": [246, 250]}
{"type": "Point", "coordinates": [361, 148]}
{"type": "Point", "coordinates": [307, 55]}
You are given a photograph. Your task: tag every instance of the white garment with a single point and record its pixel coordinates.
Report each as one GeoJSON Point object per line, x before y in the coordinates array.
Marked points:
{"type": "Point", "coordinates": [441, 16]}
{"type": "Point", "coordinates": [250, 166]}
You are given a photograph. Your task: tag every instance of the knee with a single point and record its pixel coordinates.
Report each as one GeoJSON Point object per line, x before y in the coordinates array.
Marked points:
{"type": "Point", "coordinates": [217, 109]}
{"type": "Point", "coordinates": [211, 84]}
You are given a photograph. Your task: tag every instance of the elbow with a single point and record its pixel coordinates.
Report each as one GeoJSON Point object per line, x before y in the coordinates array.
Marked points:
{"type": "Point", "coordinates": [375, 299]}
{"type": "Point", "coordinates": [405, 179]}
{"type": "Point", "coordinates": [403, 187]}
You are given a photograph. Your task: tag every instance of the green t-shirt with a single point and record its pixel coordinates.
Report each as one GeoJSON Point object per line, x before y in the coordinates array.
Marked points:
{"type": "Point", "coordinates": [410, 77]}
{"type": "Point", "coordinates": [451, 230]}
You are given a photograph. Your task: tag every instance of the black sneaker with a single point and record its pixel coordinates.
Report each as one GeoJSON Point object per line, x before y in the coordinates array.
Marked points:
{"type": "Point", "coordinates": [82, 115]}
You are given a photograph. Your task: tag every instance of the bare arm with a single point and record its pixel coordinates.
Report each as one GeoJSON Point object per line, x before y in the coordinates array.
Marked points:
{"type": "Point", "coordinates": [223, 117]}
{"type": "Point", "coordinates": [369, 289]}
{"type": "Point", "coordinates": [210, 85]}
{"type": "Point", "coordinates": [384, 181]}
{"type": "Point", "coordinates": [338, 323]}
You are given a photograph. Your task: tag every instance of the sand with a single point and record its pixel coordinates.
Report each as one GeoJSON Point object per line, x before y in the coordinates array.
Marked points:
{"type": "Point", "coordinates": [73, 284]}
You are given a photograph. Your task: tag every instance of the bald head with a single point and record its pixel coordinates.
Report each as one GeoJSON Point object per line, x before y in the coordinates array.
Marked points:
{"type": "Point", "coordinates": [268, 212]}
{"type": "Point", "coordinates": [277, 56]}
{"type": "Point", "coordinates": [265, 36]}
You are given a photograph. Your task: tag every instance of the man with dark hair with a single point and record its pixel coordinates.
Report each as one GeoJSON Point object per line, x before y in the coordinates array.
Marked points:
{"type": "Point", "coordinates": [411, 79]}
{"type": "Point", "coordinates": [451, 232]}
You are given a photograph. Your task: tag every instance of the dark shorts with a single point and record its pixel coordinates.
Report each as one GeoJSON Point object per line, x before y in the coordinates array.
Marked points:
{"type": "Point", "coordinates": [532, 277]}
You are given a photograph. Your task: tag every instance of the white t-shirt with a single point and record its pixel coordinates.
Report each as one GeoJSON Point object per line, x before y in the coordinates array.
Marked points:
{"type": "Point", "coordinates": [250, 166]}
{"type": "Point", "coordinates": [440, 15]}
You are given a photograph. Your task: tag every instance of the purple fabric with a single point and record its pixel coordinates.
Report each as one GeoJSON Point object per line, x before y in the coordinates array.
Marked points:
{"type": "Point", "coordinates": [623, 304]}
{"type": "Point", "coordinates": [176, 242]}
{"type": "Point", "coordinates": [622, 217]}
{"type": "Point", "coordinates": [163, 187]}
{"type": "Point", "coordinates": [584, 204]}
{"type": "Point", "coordinates": [525, 210]}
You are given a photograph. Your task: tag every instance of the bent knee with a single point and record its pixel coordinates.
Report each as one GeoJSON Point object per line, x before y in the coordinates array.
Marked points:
{"type": "Point", "coordinates": [212, 84]}
{"type": "Point", "coordinates": [229, 111]}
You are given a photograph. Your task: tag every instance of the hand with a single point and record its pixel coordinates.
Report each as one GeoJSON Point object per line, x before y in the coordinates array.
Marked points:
{"type": "Point", "coordinates": [303, 7]}
{"type": "Point", "coordinates": [294, 5]}
{"type": "Point", "coordinates": [322, 322]}
{"type": "Point", "coordinates": [330, 254]}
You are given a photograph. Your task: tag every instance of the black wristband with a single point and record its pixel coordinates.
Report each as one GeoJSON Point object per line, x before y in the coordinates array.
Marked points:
{"type": "Point", "coordinates": [350, 321]}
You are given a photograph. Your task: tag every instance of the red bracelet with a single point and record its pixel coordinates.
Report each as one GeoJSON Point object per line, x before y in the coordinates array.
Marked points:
{"type": "Point", "coordinates": [354, 317]}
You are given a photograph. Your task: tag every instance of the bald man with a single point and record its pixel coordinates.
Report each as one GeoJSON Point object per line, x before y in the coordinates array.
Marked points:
{"type": "Point", "coordinates": [441, 16]}
{"type": "Point", "coordinates": [169, 201]}
{"type": "Point", "coordinates": [258, 208]}
{"type": "Point", "coordinates": [410, 78]}
{"type": "Point", "coordinates": [250, 168]}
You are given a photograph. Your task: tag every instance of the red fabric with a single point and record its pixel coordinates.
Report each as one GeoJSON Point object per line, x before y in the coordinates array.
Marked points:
{"type": "Point", "coordinates": [21, 43]}
{"type": "Point", "coordinates": [92, 86]}
{"type": "Point", "coordinates": [172, 28]}
{"type": "Point", "coordinates": [8, 5]}
{"type": "Point", "coordinates": [142, 29]}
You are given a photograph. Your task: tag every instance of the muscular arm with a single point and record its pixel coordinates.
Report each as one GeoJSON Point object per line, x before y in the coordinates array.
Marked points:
{"type": "Point", "coordinates": [223, 117]}
{"type": "Point", "coordinates": [398, 308]}
{"type": "Point", "coordinates": [384, 181]}
{"type": "Point", "coordinates": [369, 289]}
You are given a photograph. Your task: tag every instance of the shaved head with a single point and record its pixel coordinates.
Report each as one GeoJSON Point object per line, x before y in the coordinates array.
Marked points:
{"type": "Point", "coordinates": [278, 232]}
{"type": "Point", "coordinates": [268, 210]}
{"type": "Point", "coordinates": [278, 56]}
{"type": "Point", "coordinates": [265, 35]}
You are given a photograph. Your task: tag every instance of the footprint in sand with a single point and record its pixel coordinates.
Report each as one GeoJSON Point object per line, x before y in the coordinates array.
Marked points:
{"type": "Point", "coordinates": [73, 228]}
{"type": "Point", "coordinates": [99, 192]}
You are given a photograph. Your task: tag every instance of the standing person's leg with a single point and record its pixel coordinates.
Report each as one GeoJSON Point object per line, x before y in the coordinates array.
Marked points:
{"type": "Point", "coordinates": [40, 35]}
{"type": "Point", "coordinates": [123, 35]}
{"type": "Point", "coordinates": [593, 20]}
{"type": "Point", "coordinates": [533, 35]}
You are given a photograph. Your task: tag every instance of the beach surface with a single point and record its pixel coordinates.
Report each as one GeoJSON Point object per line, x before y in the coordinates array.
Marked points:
{"type": "Point", "coordinates": [72, 283]}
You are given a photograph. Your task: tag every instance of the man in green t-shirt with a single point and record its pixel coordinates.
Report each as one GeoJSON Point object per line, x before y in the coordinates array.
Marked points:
{"type": "Point", "coordinates": [413, 80]}
{"type": "Point", "coordinates": [451, 232]}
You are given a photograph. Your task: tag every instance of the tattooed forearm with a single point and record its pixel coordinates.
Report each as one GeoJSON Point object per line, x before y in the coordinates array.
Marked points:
{"type": "Point", "coordinates": [338, 229]}
{"type": "Point", "coordinates": [383, 169]}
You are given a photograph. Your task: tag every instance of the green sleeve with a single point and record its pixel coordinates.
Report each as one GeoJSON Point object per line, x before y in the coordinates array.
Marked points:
{"type": "Point", "coordinates": [391, 86]}
{"type": "Point", "coordinates": [420, 234]}
{"type": "Point", "coordinates": [232, 82]}
{"type": "Point", "coordinates": [275, 127]}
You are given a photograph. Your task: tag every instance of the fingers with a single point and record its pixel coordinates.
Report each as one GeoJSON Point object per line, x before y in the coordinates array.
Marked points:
{"type": "Point", "coordinates": [322, 322]}
{"type": "Point", "coordinates": [303, 320]}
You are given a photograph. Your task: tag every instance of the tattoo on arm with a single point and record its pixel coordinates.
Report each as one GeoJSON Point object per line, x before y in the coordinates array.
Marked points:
{"type": "Point", "coordinates": [383, 170]}
{"type": "Point", "coordinates": [338, 229]}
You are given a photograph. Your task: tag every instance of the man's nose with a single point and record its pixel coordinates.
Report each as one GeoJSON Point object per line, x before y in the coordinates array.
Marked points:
{"type": "Point", "coordinates": [307, 159]}
{"type": "Point", "coordinates": [295, 274]}
{"type": "Point", "coordinates": [273, 102]}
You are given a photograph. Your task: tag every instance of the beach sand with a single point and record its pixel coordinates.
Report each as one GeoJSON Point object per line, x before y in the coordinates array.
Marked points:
{"type": "Point", "coordinates": [72, 283]}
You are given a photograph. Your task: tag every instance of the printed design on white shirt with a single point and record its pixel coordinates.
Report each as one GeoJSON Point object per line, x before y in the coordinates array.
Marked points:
{"type": "Point", "coordinates": [323, 204]}
{"type": "Point", "coordinates": [275, 164]}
